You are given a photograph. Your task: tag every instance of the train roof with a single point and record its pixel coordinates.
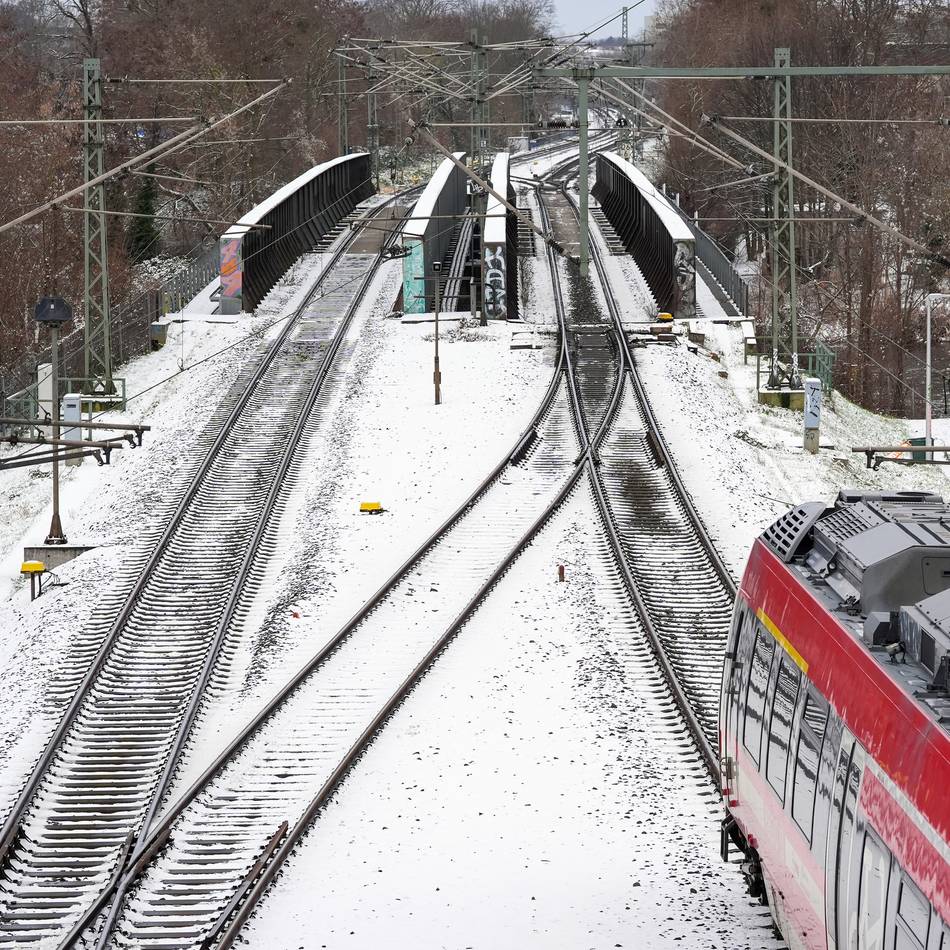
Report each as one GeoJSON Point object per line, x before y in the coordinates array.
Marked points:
{"type": "Point", "coordinates": [881, 564]}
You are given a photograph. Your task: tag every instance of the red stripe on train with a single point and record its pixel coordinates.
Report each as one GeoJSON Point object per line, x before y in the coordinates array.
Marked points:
{"type": "Point", "coordinates": [911, 749]}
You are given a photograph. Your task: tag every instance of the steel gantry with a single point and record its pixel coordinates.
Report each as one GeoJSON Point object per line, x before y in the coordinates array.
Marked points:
{"type": "Point", "coordinates": [781, 73]}
{"type": "Point", "coordinates": [97, 349]}
{"type": "Point", "coordinates": [783, 224]}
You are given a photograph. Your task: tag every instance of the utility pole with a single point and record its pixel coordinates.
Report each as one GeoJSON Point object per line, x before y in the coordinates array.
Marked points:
{"type": "Point", "coordinates": [484, 131]}
{"type": "Point", "coordinates": [476, 104]}
{"type": "Point", "coordinates": [372, 128]}
{"type": "Point", "coordinates": [527, 101]}
{"type": "Point", "coordinates": [783, 225]}
{"type": "Point", "coordinates": [97, 348]}
{"type": "Point", "coordinates": [582, 77]}
{"type": "Point", "coordinates": [342, 115]}
{"type": "Point", "coordinates": [436, 372]}
{"type": "Point", "coordinates": [54, 312]}
{"type": "Point", "coordinates": [629, 138]}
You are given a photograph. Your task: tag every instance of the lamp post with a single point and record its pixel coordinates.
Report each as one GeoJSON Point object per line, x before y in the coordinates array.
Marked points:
{"type": "Point", "coordinates": [928, 426]}
{"type": "Point", "coordinates": [54, 312]}
{"type": "Point", "coordinates": [436, 373]}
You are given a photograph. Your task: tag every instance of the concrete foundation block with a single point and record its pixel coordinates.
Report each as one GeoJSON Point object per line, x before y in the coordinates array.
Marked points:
{"type": "Point", "coordinates": [783, 398]}
{"type": "Point", "coordinates": [54, 555]}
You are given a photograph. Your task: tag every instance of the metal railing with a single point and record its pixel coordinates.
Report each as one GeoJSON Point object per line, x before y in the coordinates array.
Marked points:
{"type": "Point", "coordinates": [662, 246]}
{"type": "Point", "coordinates": [714, 259]}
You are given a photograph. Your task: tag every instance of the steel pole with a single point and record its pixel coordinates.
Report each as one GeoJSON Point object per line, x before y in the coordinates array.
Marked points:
{"type": "Point", "coordinates": [584, 250]}
{"type": "Point", "coordinates": [928, 414]}
{"type": "Point", "coordinates": [437, 373]}
{"type": "Point", "coordinates": [55, 535]}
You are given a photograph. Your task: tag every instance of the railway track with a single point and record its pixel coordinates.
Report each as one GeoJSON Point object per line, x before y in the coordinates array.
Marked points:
{"type": "Point", "coordinates": [683, 588]}
{"type": "Point", "coordinates": [197, 871]}
{"type": "Point", "coordinates": [103, 774]}
{"type": "Point", "coordinates": [235, 826]}
{"type": "Point", "coordinates": [230, 831]}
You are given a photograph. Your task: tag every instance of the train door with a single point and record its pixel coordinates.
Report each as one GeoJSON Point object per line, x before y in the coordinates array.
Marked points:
{"type": "Point", "coordinates": [732, 705]}
{"type": "Point", "coordinates": [843, 849]}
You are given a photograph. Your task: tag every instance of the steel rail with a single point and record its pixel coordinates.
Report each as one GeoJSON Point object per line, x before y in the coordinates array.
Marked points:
{"type": "Point", "coordinates": [155, 836]}
{"type": "Point", "coordinates": [240, 577]}
{"type": "Point", "coordinates": [668, 667]}
{"type": "Point", "coordinates": [656, 431]}
{"type": "Point", "coordinates": [13, 821]}
{"type": "Point", "coordinates": [144, 850]}
{"type": "Point", "coordinates": [158, 833]}
{"type": "Point", "coordinates": [583, 464]}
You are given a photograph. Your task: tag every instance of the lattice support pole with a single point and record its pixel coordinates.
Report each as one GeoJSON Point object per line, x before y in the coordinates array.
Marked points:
{"type": "Point", "coordinates": [97, 346]}
{"type": "Point", "coordinates": [783, 227]}
{"type": "Point", "coordinates": [372, 128]}
{"type": "Point", "coordinates": [342, 108]}
{"type": "Point", "coordinates": [583, 77]}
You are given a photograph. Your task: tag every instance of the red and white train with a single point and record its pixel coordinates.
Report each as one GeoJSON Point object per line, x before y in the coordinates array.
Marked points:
{"type": "Point", "coordinates": [834, 723]}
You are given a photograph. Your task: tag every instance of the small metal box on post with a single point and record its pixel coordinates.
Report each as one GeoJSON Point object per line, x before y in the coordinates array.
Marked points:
{"type": "Point", "coordinates": [54, 312]}
{"type": "Point", "coordinates": [812, 421]}
{"type": "Point", "coordinates": [72, 413]}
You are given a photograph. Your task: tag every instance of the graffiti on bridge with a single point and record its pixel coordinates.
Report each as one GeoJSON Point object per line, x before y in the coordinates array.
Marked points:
{"type": "Point", "coordinates": [495, 289]}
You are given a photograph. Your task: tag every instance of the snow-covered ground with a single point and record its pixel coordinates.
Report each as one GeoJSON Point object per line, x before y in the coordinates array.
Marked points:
{"type": "Point", "coordinates": [745, 464]}
{"type": "Point", "coordinates": [530, 793]}
{"type": "Point", "coordinates": [533, 792]}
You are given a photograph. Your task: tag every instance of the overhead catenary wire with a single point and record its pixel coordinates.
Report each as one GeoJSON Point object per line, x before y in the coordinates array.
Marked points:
{"type": "Point", "coordinates": [164, 149]}
{"type": "Point", "coordinates": [163, 217]}
{"type": "Point", "coordinates": [717, 123]}
{"type": "Point", "coordinates": [111, 121]}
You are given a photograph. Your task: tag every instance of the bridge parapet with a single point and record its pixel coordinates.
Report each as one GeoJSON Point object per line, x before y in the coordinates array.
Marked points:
{"type": "Point", "coordinates": [660, 242]}
{"type": "Point", "coordinates": [500, 247]}
{"type": "Point", "coordinates": [428, 234]}
{"type": "Point", "coordinates": [297, 216]}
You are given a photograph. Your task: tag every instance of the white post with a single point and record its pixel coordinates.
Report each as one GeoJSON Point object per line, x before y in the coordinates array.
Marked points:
{"type": "Point", "coordinates": [928, 415]}
{"type": "Point", "coordinates": [812, 420]}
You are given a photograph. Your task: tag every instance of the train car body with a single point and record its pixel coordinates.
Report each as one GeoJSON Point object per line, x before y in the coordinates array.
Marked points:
{"type": "Point", "coordinates": [834, 723]}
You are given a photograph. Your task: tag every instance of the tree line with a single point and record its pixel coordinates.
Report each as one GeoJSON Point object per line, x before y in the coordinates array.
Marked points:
{"type": "Point", "coordinates": [860, 291]}
{"type": "Point", "coordinates": [43, 44]}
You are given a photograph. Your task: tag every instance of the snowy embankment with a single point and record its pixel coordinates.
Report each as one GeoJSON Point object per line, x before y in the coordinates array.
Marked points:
{"type": "Point", "coordinates": [379, 438]}
{"type": "Point", "coordinates": [743, 463]}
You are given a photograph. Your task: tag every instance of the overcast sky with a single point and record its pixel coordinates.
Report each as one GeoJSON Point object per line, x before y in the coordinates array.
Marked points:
{"type": "Point", "coordinates": [576, 16]}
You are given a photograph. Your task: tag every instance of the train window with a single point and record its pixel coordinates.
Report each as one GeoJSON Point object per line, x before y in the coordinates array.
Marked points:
{"type": "Point", "coordinates": [913, 917]}
{"type": "Point", "coordinates": [786, 693]}
{"type": "Point", "coordinates": [755, 695]}
{"type": "Point", "coordinates": [814, 719]}
{"type": "Point", "coordinates": [872, 900]}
